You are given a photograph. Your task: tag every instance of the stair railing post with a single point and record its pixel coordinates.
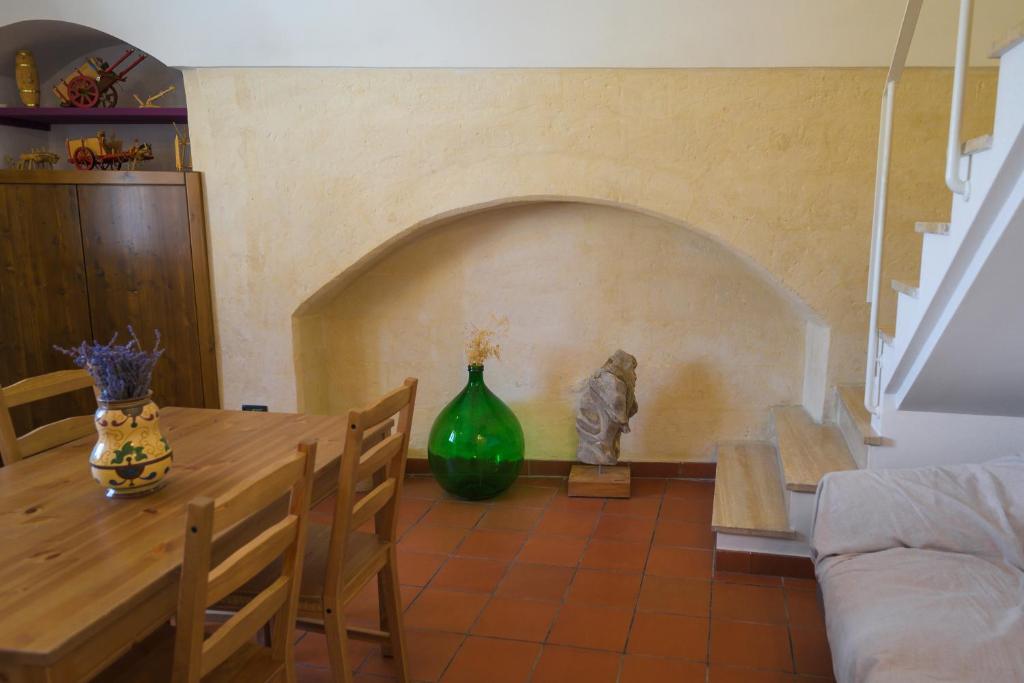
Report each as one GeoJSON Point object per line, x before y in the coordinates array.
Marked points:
{"type": "Point", "coordinates": [872, 370]}
{"type": "Point", "coordinates": [877, 243]}
{"type": "Point", "coordinates": [956, 112]}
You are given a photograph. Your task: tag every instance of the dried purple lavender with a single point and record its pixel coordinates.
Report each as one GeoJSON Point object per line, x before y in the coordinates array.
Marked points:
{"type": "Point", "coordinates": [121, 371]}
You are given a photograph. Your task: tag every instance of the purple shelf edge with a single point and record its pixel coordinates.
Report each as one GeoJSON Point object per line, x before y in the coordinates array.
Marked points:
{"type": "Point", "coordinates": [41, 118]}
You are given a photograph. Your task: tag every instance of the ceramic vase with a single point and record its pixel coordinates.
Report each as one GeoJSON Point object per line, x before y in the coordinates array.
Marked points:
{"type": "Point", "coordinates": [131, 457]}
{"type": "Point", "coordinates": [475, 449]}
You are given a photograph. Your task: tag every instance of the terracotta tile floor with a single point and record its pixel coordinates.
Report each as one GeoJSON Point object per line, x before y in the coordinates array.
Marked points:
{"type": "Point", "coordinates": [536, 586]}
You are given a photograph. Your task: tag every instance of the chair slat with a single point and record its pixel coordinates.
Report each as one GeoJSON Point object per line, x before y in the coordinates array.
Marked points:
{"type": "Point", "coordinates": [55, 434]}
{"type": "Point", "coordinates": [378, 456]}
{"type": "Point", "coordinates": [250, 559]}
{"type": "Point", "coordinates": [12, 447]}
{"type": "Point", "coordinates": [387, 406]}
{"type": "Point", "coordinates": [265, 487]}
{"type": "Point", "coordinates": [372, 502]}
{"type": "Point", "coordinates": [240, 628]}
{"type": "Point", "coordinates": [44, 386]}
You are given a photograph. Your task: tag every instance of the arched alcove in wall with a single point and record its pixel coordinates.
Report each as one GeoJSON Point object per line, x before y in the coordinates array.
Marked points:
{"type": "Point", "coordinates": [58, 49]}
{"type": "Point", "coordinates": [717, 340]}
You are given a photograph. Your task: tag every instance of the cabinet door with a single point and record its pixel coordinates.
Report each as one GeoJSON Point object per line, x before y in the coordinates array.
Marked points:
{"type": "Point", "coordinates": [138, 261]}
{"type": "Point", "coordinates": [43, 299]}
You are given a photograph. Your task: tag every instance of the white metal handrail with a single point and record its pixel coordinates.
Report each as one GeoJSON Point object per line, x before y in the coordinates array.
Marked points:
{"type": "Point", "coordinates": [899, 60]}
{"type": "Point", "coordinates": [953, 157]}
{"type": "Point", "coordinates": [956, 110]}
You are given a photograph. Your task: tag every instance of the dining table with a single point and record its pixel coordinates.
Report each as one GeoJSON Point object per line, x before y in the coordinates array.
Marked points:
{"type": "Point", "coordinates": [83, 576]}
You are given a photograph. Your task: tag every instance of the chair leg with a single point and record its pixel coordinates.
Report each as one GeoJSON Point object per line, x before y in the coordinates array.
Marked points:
{"type": "Point", "coordinates": [391, 600]}
{"type": "Point", "coordinates": [385, 648]}
{"type": "Point", "coordinates": [337, 644]}
{"type": "Point", "coordinates": [267, 633]}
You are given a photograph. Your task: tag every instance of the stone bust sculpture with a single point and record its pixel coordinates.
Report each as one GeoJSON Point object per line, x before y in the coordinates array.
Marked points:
{"type": "Point", "coordinates": [606, 404]}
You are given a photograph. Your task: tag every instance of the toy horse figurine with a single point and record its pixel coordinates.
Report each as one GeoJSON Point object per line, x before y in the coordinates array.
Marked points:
{"type": "Point", "coordinates": [607, 403]}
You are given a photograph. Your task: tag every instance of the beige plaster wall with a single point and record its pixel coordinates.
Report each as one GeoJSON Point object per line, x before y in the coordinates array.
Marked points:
{"type": "Point", "coordinates": [717, 344]}
{"type": "Point", "coordinates": [309, 171]}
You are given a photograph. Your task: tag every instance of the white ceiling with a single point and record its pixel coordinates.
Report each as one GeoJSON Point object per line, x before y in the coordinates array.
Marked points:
{"type": "Point", "coordinates": [523, 33]}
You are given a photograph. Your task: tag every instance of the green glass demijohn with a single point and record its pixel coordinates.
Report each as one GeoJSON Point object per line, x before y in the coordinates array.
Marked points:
{"type": "Point", "coordinates": [476, 445]}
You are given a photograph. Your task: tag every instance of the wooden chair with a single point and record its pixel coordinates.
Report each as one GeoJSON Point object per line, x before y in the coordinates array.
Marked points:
{"type": "Point", "coordinates": [342, 558]}
{"type": "Point", "coordinates": [12, 447]}
{"type": "Point", "coordinates": [182, 654]}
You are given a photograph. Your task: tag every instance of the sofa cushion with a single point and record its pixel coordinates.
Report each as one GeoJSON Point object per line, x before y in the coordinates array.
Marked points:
{"type": "Point", "coordinates": [976, 509]}
{"type": "Point", "coordinates": [906, 615]}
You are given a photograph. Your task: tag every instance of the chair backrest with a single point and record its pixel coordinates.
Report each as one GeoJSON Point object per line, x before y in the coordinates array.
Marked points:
{"type": "Point", "coordinates": [13, 447]}
{"type": "Point", "coordinates": [202, 585]}
{"type": "Point", "coordinates": [384, 463]}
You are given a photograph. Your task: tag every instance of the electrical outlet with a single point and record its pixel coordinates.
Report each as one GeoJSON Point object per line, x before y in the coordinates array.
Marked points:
{"type": "Point", "coordinates": [254, 408]}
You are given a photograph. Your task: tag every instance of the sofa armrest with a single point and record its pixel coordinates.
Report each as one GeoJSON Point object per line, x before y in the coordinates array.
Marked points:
{"type": "Point", "coordinates": [974, 509]}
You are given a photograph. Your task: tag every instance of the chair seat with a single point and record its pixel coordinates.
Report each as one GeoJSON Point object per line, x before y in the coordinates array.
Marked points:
{"type": "Point", "coordinates": [365, 555]}
{"type": "Point", "coordinates": [151, 661]}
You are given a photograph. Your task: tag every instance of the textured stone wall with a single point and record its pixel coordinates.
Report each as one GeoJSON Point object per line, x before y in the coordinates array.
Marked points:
{"type": "Point", "coordinates": [310, 172]}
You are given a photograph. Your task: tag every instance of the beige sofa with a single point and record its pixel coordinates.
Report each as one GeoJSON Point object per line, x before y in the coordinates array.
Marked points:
{"type": "Point", "coordinates": [922, 573]}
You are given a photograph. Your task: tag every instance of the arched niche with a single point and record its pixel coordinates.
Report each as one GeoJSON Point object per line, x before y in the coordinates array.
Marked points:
{"type": "Point", "coordinates": [718, 340]}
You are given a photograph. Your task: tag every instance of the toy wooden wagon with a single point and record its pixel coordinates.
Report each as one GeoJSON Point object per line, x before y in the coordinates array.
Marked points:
{"type": "Point", "coordinates": [92, 84]}
{"type": "Point", "coordinates": [88, 153]}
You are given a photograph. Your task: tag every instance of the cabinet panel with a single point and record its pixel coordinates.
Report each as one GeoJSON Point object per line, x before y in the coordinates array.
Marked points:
{"type": "Point", "coordinates": [43, 299]}
{"type": "Point", "coordinates": [138, 263]}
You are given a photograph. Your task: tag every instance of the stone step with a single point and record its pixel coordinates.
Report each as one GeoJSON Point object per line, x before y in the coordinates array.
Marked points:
{"type": "Point", "coordinates": [925, 227]}
{"type": "Point", "coordinates": [749, 498]}
{"type": "Point", "coordinates": [851, 398]}
{"type": "Point", "coordinates": [978, 144]}
{"type": "Point", "coordinates": [1012, 38]}
{"type": "Point", "coordinates": [807, 450]}
{"type": "Point", "coordinates": [905, 288]}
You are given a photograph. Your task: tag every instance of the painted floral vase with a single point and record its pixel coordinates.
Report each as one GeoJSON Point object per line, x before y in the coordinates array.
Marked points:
{"type": "Point", "coordinates": [476, 447]}
{"type": "Point", "coordinates": [131, 457]}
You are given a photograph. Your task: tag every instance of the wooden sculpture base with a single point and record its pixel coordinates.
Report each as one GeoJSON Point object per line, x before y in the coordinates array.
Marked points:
{"type": "Point", "coordinates": [599, 481]}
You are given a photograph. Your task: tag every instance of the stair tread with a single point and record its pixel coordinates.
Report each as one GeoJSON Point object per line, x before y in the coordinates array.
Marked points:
{"type": "Point", "coordinates": [852, 396]}
{"type": "Point", "coordinates": [1013, 38]}
{"type": "Point", "coordinates": [905, 288]}
{"type": "Point", "coordinates": [749, 498]}
{"type": "Point", "coordinates": [978, 144]}
{"type": "Point", "coordinates": [887, 336]}
{"type": "Point", "coordinates": [808, 451]}
{"type": "Point", "coordinates": [931, 228]}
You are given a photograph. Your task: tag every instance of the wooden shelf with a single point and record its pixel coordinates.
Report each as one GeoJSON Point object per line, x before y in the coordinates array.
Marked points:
{"type": "Point", "coordinates": [14, 177]}
{"type": "Point", "coordinates": [41, 118]}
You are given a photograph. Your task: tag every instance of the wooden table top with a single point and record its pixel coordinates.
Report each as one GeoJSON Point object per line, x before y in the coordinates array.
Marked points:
{"type": "Point", "coordinates": [72, 561]}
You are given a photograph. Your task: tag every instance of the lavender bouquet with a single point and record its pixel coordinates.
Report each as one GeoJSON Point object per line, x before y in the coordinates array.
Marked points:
{"type": "Point", "coordinates": [121, 371]}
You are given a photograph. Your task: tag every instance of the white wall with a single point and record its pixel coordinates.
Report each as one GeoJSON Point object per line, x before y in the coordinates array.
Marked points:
{"type": "Point", "coordinates": [527, 33]}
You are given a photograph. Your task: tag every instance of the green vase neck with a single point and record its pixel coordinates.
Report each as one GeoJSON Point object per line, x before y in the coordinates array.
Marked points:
{"type": "Point", "coordinates": [476, 375]}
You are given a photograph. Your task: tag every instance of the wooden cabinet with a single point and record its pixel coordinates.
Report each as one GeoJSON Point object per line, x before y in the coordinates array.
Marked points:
{"type": "Point", "coordinates": [85, 254]}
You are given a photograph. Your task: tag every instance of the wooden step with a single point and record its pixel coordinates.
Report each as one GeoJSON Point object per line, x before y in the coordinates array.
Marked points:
{"type": "Point", "coordinates": [905, 288]}
{"type": "Point", "coordinates": [925, 227]}
{"type": "Point", "coordinates": [808, 451]}
{"type": "Point", "coordinates": [749, 498]}
{"type": "Point", "coordinates": [852, 396]}
{"type": "Point", "coordinates": [886, 337]}
{"type": "Point", "coordinates": [1012, 38]}
{"type": "Point", "coordinates": [978, 144]}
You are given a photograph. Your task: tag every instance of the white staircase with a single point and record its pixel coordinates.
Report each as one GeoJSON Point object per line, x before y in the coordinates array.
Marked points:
{"type": "Point", "coordinates": [949, 382]}
{"type": "Point", "coordinates": [946, 386]}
